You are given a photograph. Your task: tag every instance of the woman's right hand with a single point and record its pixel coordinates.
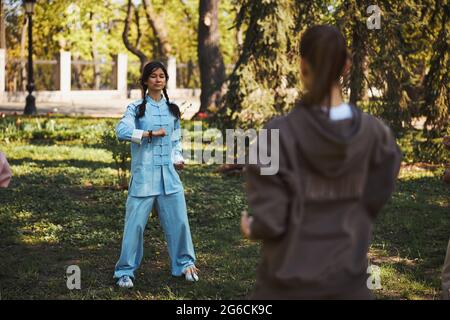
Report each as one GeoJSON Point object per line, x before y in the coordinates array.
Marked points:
{"type": "Point", "coordinates": [159, 133]}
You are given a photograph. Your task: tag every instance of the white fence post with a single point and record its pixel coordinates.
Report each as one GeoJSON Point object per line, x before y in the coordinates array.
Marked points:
{"type": "Point", "coordinates": [64, 72]}
{"type": "Point", "coordinates": [172, 71]}
{"type": "Point", "coordinates": [120, 72]}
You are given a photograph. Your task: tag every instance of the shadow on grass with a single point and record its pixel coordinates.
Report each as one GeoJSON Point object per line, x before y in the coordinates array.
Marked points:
{"type": "Point", "coordinates": [49, 221]}
{"type": "Point", "coordinates": [45, 227]}
{"type": "Point", "coordinates": [412, 232]}
{"type": "Point", "coordinates": [63, 163]}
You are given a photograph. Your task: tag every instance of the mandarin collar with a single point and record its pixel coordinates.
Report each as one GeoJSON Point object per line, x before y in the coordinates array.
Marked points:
{"type": "Point", "coordinates": [153, 102]}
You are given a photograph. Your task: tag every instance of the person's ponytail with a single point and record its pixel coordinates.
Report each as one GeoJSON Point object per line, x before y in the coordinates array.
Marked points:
{"type": "Point", "coordinates": [324, 49]}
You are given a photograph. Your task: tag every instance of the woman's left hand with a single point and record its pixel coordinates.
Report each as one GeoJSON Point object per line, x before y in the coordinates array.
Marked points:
{"type": "Point", "coordinates": [179, 165]}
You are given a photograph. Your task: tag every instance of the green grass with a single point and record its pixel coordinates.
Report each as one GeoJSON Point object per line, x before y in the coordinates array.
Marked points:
{"type": "Point", "coordinates": [412, 233]}
{"type": "Point", "coordinates": [62, 209]}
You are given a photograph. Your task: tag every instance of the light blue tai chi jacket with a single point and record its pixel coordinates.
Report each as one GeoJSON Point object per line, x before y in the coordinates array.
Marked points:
{"type": "Point", "coordinates": [152, 169]}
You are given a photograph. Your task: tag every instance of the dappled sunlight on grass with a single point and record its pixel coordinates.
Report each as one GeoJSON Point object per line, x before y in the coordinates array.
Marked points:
{"type": "Point", "coordinates": [62, 208]}
{"type": "Point", "coordinates": [411, 235]}
{"type": "Point", "coordinates": [403, 285]}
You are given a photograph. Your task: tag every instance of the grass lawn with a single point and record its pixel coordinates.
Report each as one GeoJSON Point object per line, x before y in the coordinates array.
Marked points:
{"type": "Point", "coordinates": [61, 209]}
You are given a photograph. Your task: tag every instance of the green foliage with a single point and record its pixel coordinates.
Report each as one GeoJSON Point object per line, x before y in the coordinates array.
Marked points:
{"type": "Point", "coordinates": [70, 28]}
{"type": "Point", "coordinates": [430, 150]}
{"type": "Point", "coordinates": [121, 153]}
{"type": "Point", "coordinates": [436, 104]}
{"type": "Point", "coordinates": [417, 148]}
{"type": "Point", "coordinates": [51, 129]}
{"type": "Point", "coordinates": [406, 61]}
{"type": "Point", "coordinates": [258, 87]}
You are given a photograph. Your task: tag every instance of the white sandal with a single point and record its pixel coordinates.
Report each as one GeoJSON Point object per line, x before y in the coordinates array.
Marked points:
{"type": "Point", "coordinates": [191, 274]}
{"type": "Point", "coordinates": [125, 282]}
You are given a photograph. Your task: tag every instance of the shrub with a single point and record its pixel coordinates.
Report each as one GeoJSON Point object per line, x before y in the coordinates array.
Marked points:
{"type": "Point", "coordinates": [120, 152]}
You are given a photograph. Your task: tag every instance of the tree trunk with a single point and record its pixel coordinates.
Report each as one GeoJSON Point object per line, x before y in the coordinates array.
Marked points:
{"type": "Point", "coordinates": [137, 43]}
{"type": "Point", "coordinates": [159, 30]}
{"type": "Point", "coordinates": [133, 49]}
{"type": "Point", "coordinates": [190, 72]}
{"type": "Point", "coordinates": [76, 69]}
{"type": "Point", "coordinates": [437, 83]}
{"type": "Point", "coordinates": [212, 69]}
{"type": "Point", "coordinates": [95, 55]}
{"type": "Point", "coordinates": [393, 97]}
{"type": "Point", "coordinates": [358, 70]}
{"type": "Point", "coordinates": [23, 41]}
{"type": "Point", "coordinates": [2, 26]}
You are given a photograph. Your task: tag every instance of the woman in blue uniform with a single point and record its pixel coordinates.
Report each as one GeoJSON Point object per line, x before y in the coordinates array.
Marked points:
{"type": "Point", "coordinates": [153, 127]}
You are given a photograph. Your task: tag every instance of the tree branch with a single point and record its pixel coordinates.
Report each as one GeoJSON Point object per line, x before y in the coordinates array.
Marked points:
{"type": "Point", "coordinates": [128, 20]}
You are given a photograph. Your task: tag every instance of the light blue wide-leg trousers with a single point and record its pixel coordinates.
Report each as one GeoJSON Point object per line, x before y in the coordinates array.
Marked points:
{"type": "Point", "coordinates": [174, 221]}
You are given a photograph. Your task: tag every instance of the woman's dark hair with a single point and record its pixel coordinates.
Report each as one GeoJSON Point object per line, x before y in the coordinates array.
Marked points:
{"type": "Point", "coordinates": [325, 50]}
{"type": "Point", "coordinates": [149, 68]}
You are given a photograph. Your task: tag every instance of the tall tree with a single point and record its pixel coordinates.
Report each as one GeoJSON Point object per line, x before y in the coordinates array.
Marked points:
{"type": "Point", "coordinates": [131, 10]}
{"type": "Point", "coordinates": [2, 26]}
{"type": "Point", "coordinates": [358, 42]}
{"type": "Point", "coordinates": [159, 30]}
{"type": "Point", "coordinates": [95, 54]}
{"type": "Point", "coordinates": [268, 62]}
{"type": "Point", "coordinates": [437, 88]}
{"type": "Point", "coordinates": [212, 68]}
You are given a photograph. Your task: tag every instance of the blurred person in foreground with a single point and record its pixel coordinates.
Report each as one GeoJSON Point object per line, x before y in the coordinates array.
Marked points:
{"type": "Point", "coordinates": [5, 171]}
{"type": "Point", "coordinates": [337, 168]}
